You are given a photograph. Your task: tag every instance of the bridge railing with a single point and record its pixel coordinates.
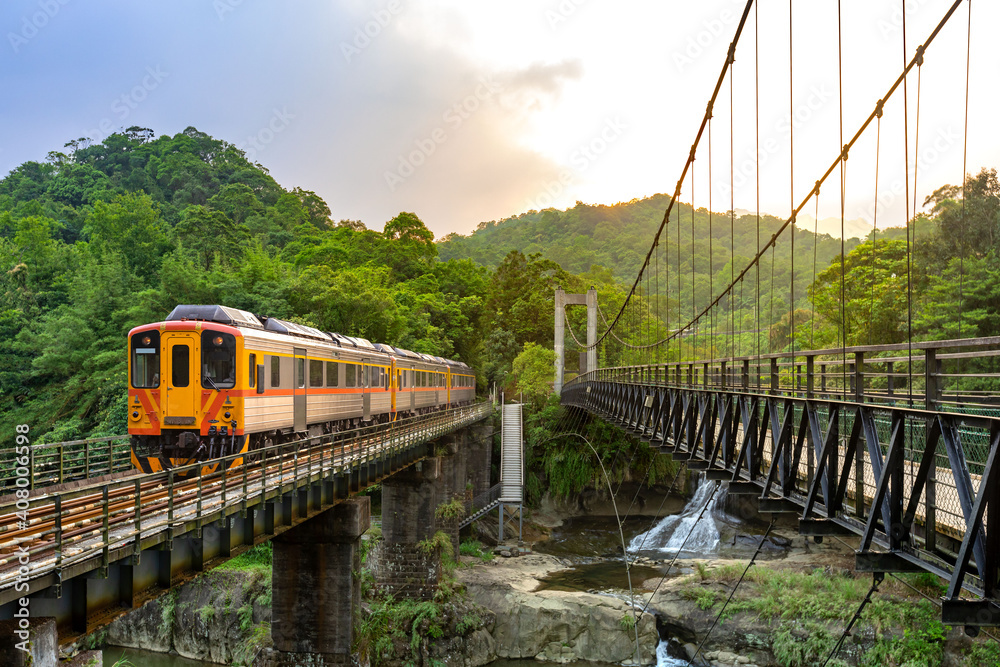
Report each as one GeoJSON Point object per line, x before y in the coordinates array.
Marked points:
{"type": "Point", "coordinates": [483, 500]}
{"type": "Point", "coordinates": [53, 531]}
{"type": "Point", "coordinates": [827, 449]}
{"type": "Point", "coordinates": [956, 375]}
{"type": "Point", "coordinates": [69, 461]}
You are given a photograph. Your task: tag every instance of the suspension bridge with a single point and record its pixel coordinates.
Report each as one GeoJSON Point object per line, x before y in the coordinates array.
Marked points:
{"type": "Point", "coordinates": [861, 419]}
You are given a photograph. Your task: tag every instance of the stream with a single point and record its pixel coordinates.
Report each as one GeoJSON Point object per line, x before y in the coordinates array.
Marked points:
{"type": "Point", "coordinates": [593, 545]}
{"type": "Point", "coordinates": [702, 529]}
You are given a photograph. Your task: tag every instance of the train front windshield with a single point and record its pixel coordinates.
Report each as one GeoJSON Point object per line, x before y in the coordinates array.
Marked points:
{"type": "Point", "coordinates": [218, 360]}
{"type": "Point", "coordinates": [146, 360]}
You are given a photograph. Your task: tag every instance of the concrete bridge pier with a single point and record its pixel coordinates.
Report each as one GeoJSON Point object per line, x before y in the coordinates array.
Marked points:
{"type": "Point", "coordinates": [410, 500]}
{"type": "Point", "coordinates": [315, 587]}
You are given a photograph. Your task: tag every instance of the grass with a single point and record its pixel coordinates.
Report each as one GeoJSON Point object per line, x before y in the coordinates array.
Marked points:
{"type": "Point", "coordinates": [810, 609]}
{"type": "Point", "coordinates": [476, 549]}
{"type": "Point", "coordinates": [258, 557]}
{"type": "Point", "coordinates": [390, 620]}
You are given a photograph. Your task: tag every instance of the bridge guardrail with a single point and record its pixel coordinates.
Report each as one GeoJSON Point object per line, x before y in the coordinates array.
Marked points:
{"type": "Point", "coordinates": [823, 452]}
{"type": "Point", "coordinates": [961, 375]}
{"type": "Point", "coordinates": [68, 461]}
{"type": "Point", "coordinates": [52, 532]}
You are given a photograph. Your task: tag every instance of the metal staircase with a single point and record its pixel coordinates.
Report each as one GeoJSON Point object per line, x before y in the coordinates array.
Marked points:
{"type": "Point", "coordinates": [510, 490]}
{"type": "Point", "coordinates": [511, 455]}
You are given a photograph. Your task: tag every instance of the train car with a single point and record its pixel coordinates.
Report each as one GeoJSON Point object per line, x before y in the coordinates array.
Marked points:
{"type": "Point", "coordinates": [213, 381]}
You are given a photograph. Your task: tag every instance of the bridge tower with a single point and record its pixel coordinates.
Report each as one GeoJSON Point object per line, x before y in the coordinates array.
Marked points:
{"type": "Point", "coordinates": [561, 301]}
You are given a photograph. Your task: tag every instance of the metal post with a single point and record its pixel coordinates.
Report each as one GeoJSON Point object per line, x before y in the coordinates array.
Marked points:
{"type": "Point", "coordinates": [137, 541]}
{"type": "Point", "coordinates": [591, 329]}
{"type": "Point", "coordinates": [560, 334]}
{"type": "Point", "coordinates": [931, 391]}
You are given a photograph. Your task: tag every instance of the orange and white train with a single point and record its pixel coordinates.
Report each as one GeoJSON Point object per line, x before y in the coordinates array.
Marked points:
{"type": "Point", "coordinates": [211, 381]}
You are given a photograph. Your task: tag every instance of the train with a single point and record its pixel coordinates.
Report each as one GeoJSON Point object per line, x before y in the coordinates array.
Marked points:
{"type": "Point", "coordinates": [212, 381]}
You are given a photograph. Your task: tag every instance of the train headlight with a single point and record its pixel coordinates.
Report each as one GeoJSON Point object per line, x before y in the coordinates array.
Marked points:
{"type": "Point", "coordinates": [146, 340]}
{"type": "Point", "coordinates": [135, 414]}
{"type": "Point", "coordinates": [228, 415]}
{"type": "Point", "coordinates": [217, 340]}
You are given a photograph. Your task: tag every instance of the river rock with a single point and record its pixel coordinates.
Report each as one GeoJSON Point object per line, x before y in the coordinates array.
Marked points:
{"type": "Point", "coordinates": [211, 618]}
{"type": "Point", "coordinates": [558, 626]}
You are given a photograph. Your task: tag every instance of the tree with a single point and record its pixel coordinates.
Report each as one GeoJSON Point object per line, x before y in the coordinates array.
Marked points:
{"type": "Point", "coordinates": [534, 372]}
{"type": "Point", "coordinates": [130, 226]}
{"type": "Point", "coordinates": [211, 233]}
{"type": "Point", "coordinates": [868, 306]}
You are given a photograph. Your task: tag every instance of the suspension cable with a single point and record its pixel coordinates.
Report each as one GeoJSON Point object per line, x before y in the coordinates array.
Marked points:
{"type": "Point", "coordinates": [842, 156]}
{"type": "Point", "coordinates": [691, 155]}
{"type": "Point", "coordinates": [877, 578]}
{"type": "Point", "coordinates": [756, 553]}
{"type": "Point", "coordinates": [681, 548]}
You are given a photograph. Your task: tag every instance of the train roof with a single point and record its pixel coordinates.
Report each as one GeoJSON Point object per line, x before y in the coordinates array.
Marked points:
{"type": "Point", "coordinates": [219, 314]}
{"type": "Point", "coordinates": [241, 318]}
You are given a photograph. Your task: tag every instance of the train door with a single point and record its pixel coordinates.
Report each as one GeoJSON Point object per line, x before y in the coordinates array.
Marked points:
{"type": "Point", "coordinates": [179, 405]}
{"type": "Point", "coordinates": [366, 396]}
{"type": "Point", "coordinates": [447, 382]}
{"type": "Point", "coordinates": [299, 389]}
{"type": "Point", "coordinates": [411, 384]}
{"type": "Point", "coordinates": [393, 385]}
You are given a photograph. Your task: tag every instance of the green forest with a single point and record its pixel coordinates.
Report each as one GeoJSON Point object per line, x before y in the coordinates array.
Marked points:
{"type": "Point", "coordinates": [104, 236]}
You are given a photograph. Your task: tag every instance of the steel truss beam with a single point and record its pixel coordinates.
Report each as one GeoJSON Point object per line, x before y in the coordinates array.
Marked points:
{"type": "Point", "coordinates": [827, 460]}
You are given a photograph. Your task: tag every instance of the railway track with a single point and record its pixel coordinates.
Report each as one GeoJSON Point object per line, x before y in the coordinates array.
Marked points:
{"type": "Point", "coordinates": [64, 528]}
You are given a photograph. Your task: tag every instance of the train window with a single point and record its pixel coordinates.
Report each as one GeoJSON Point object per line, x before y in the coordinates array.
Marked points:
{"type": "Point", "coordinates": [352, 370]}
{"type": "Point", "coordinates": [275, 371]}
{"type": "Point", "coordinates": [253, 370]}
{"type": "Point", "coordinates": [146, 360]}
{"type": "Point", "coordinates": [180, 365]}
{"type": "Point", "coordinates": [300, 372]}
{"type": "Point", "coordinates": [218, 360]}
{"type": "Point", "coordinates": [385, 379]}
{"type": "Point", "coordinates": [315, 373]}
{"type": "Point", "coordinates": [332, 374]}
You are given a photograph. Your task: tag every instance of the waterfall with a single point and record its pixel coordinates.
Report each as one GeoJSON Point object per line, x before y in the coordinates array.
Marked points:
{"type": "Point", "coordinates": [664, 659]}
{"type": "Point", "coordinates": [671, 532]}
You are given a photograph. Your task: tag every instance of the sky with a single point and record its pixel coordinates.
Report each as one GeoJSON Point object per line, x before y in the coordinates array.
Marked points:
{"type": "Point", "coordinates": [465, 111]}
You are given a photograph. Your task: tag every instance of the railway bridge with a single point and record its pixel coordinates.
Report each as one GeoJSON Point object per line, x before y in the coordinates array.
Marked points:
{"type": "Point", "coordinates": [94, 539]}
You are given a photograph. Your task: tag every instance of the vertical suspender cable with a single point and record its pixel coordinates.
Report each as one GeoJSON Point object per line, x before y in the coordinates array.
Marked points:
{"type": "Point", "coordinates": [711, 259]}
{"type": "Point", "coordinates": [878, 150]}
{"type": "Point", "coordinates": [843, 178]}
{"type": "Point", "coordinates": [965, 155]}
{"type": "Point", "coordinates": [909, 282]}
{"type": "Point", "coordinates": [791, 185]}
{"type": "Point", "coordinates": [756, 117]}
{"type": "Point", "coordinates": [732, 224]}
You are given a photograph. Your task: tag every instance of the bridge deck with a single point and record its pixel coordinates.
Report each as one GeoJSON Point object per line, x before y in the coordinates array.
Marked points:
{"type": "Point", "coordinates": [928, 473]}
{"type": "Point", "coordinates": [70, 533]}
